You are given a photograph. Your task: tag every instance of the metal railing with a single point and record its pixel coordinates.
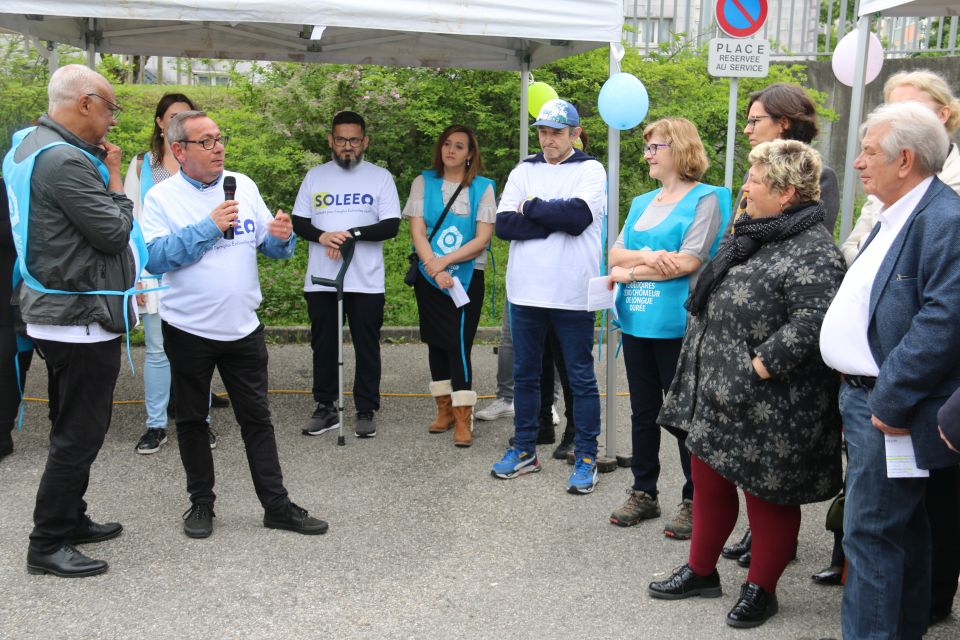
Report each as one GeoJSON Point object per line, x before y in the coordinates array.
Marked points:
{"type": "Point", "coordinates": [797, 29]}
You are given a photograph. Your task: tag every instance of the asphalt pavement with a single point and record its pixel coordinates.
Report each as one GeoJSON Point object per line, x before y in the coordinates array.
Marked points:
{"type": "Point", "coordinates": [423, 542]}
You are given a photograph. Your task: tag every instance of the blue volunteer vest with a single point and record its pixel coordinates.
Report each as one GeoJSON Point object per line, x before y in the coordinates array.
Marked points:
{"type": "Point", "coordinates": [457, 230]}
{"type": "Point", "coordinates": [146, 176]}
{"type": "Point", "coordinates": [18, 176]}
{"type": "Point", "coordinates": [651, 309]}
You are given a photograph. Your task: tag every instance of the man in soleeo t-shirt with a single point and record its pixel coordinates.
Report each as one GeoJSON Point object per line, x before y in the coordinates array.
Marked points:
{"type": "Point", "coordinates": [209, 314]}
{"type": "Point", "coordinates": [346, 198]}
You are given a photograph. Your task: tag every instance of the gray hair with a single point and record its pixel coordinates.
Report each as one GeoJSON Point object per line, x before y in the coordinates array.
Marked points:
{"type": "Point", "coordinates": [71, 82]}
{"type": "Point", "coordinates": [912, 126]}
{"type": "Point", "coordinates": [176, 129]}
{"type": "Point", "coordinates": [790, 163]}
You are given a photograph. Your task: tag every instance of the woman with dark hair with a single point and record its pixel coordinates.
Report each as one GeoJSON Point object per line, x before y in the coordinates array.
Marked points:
{"type": "Point", "coordinates": [751, 390]}
{"type": "Point", "coordinates": [146, 170]}
{"type": "Point", "coordinates": [785, 112]}
{"type": "Point", "coordinates": [452, 211]}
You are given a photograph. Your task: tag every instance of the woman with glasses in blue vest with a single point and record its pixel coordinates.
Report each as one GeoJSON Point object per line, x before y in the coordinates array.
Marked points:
{"type": "Point", "coordinates": [452, 210]}
{"type": "Point", "coordinates": [669, 234]}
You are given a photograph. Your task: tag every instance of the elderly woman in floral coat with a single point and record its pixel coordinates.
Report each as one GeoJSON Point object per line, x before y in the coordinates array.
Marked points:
{"type": "Point", "coordinates": [751, 389]}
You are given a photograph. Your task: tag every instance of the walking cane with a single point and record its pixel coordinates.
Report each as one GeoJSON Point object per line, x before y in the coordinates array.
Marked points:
{"type": "Point", "coordinates": [346, 252]}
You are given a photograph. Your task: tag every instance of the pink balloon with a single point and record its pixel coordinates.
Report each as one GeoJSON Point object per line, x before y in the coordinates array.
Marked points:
{"type": "Point", "coordinates": [845, 58]}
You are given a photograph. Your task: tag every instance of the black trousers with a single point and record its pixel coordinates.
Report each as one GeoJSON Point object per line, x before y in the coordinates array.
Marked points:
{"type": "Point", "coordinates": [943, 511]}
{"type": "Point", "coordinates": [447, 358]}
{"type": "Point", "coordinates": [9, 391]}
{"type": "Point", "coordinates": [553, 362]}
{"type": "Point", "coordinates": [84, 377]}
{"type": "Point", "coordinates": [243, 367]}
{"type": "Point", "coordinates": [364, 312]}
{"type": "Point", "coordinates": [651, 363]}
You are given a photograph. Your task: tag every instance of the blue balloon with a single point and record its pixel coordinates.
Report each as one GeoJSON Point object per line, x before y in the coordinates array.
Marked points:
{"type": "Point", "coordinates": [623, 101]}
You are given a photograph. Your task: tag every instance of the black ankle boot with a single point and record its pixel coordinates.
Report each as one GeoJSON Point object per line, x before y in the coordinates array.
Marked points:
{"type": "Point", "coordinates": [734, 551]}
{"type": "Point", "coordinates": [566, 444]}
{"type": "Point", "coordinates": [753, 608]}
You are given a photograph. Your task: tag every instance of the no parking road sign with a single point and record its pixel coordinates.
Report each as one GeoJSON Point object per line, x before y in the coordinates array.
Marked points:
{"type": "Point", "coordinates": [741, 18]}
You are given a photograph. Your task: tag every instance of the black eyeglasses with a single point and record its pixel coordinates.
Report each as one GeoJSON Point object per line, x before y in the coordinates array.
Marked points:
{"type": "Point", "coordinates": [340, 141]}
{"type": "Point", "coordinates": [208, 143]}
{"type": "Point", "coordinates": [752, 122]}
{"type": "Point", "coordinates": [653, 146]}
{"type": "Point", "coordinates": [114, 108]}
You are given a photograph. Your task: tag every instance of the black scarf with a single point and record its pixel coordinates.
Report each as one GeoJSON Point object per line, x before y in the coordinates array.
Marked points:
{"type": "Point", "coordinates": [749, 235]}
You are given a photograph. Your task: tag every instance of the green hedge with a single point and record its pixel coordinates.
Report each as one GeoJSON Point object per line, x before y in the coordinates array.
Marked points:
{"type": "Point", "coordinates": [278, 129]}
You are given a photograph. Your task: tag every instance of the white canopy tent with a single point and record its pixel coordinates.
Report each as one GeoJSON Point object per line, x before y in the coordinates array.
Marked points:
{"type": "Point", "coordinates": [867, 9]}
{"type": "Point", "coordinates": [488, 34]}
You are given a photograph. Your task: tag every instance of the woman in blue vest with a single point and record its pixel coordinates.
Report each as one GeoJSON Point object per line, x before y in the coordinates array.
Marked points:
{"type": "Point", "coordinates": [146, 170]}
{"type": "Point", "coordinates": [451, 257]}
{"type": "Point", "coordinates": [669, 234]}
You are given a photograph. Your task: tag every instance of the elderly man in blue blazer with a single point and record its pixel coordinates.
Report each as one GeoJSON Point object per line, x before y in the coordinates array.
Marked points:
{"type": "Point", "coordinates": [893, 332]}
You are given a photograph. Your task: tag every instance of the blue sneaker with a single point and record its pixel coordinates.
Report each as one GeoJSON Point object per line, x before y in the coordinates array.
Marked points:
{"type": "Point", "coordinates": [584, 477]}
{"type": "Point", "coordinates": [515, 463]}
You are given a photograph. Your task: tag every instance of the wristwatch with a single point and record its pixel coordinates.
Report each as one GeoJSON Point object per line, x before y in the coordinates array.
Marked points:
{"type": "Point", "coordinates": [633, 278]}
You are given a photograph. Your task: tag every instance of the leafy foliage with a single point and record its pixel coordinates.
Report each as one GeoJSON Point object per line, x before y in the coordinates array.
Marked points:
{"type": "Point", "coordinates": [279, 124]}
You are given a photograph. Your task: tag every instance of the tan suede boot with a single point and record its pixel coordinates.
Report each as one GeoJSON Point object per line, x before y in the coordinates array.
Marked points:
{"type": "Point", "coordinates": [441, 390]}
{"type": "Point", "coordinates": [463, 403]}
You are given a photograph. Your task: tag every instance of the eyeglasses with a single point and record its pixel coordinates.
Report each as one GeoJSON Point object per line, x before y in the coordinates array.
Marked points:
{"type": "Point", "coordinates": [340, 141]}
{"type": "Point", "coordinates": [653, 146]}
{"type": "Point", "coordinates": [114, 108]}
{"type": "Point", "coordinates": [752, 122]}
{"type": "Point", "coordinates": [208, 143]}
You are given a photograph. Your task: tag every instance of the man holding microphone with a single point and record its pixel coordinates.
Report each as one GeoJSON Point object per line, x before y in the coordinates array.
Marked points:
{"type": "Point", "coordinates": [209, 313]}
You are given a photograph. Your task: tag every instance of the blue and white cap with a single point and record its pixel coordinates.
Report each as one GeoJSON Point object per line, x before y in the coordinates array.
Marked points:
{"type": "Point", "coordinates": [557, 114]}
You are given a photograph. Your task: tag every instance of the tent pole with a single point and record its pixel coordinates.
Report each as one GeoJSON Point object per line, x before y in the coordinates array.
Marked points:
{"type": "Point", "coordinates": [524, 116]}
{"type": "Point", "coordinates": [91, 44]}
{"type": "Point", "coordinates": [855, 116]}
{"type": "Point", "coordinates": [608, 462]}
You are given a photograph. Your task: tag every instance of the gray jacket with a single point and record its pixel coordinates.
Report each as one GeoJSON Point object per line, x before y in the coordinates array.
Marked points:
{"type": "Point", "coordinates": [78, 235]}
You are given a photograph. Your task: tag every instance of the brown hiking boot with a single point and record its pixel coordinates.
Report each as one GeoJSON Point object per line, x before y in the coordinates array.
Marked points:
{"type": "Point", "coordinates": [639, 506]}
{"type": "Point", "coordinates": [681, 526]}
{"type": "Point", "coordinates": [441, 390]}
{"type": "Point", "coordinates": [463, 403]}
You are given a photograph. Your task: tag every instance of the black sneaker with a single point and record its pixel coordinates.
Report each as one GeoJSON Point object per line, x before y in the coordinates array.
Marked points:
{"type": "Point", "coordinates": [684, 583]}
{"type": "Point", "coordinates": [213, 437]}
{"type": "Point", "coordinates": [198, 520]}
{"type": "Point", "coordinates": [219, 402]}
{"type": "Point", "coordinates": [365, 427]}
{"type": "Point", "coordinates": [324, 418]}
{"type": "Point", "coordinates": [151, 441]}
{"type": "Point", "coordinates": [294, 518]}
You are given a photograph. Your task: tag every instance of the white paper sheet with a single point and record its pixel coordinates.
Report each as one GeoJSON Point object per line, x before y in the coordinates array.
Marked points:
{"type": "Point", "coordinates": [598, 296]}
{"type": "Point", "coordinates": [901, 461]}
{"type": "Point", "coordinates": [458, 294]}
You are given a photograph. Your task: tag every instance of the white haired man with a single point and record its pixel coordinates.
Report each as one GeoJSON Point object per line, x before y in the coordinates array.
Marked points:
{"type": "Point", "coordinates": [892, 332]}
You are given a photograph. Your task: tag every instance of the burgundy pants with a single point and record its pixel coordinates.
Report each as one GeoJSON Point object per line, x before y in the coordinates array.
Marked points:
{"type": "Point", "coordinates": [715, 509]}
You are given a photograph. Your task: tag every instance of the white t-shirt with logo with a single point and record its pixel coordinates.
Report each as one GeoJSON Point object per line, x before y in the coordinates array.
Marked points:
{"type": "Point", "coordinates": [337, 199]}
{"type": "Point", "coordinates": [217, 296]}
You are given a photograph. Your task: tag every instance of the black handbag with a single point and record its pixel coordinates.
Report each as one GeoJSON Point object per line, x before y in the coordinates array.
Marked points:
{"type": "Point", "coordinates": [413, 270]}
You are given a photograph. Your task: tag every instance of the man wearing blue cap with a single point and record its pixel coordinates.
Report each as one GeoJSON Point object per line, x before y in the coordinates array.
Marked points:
{"type": "Point", "coordinates": [551, 211]}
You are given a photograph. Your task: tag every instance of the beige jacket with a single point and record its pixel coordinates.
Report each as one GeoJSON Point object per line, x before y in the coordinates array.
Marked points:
{"type": "Point", "coordinates": [950, 174]}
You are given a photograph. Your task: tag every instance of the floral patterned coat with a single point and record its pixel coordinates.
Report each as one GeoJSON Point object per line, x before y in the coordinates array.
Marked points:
{"type": "Point", "coordinates": [778, 439]}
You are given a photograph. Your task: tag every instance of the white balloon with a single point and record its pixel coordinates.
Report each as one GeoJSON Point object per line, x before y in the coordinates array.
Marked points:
{"type": "Point", "coordinates": [845, 58]}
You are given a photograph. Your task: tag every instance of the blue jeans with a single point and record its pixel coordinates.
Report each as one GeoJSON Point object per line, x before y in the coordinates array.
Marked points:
{"type": "Point", "coordinates": [886, 536]}
{"type": "Point", "coordinates": [574, 330]}
{"type": "Point", "coordinates": [156, 373]}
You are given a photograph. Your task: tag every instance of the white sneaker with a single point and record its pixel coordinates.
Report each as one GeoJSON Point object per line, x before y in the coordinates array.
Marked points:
{"type": "Point", "coordinates": [499, 408]}
{"type": "Point", "coordinates": [555, 415]}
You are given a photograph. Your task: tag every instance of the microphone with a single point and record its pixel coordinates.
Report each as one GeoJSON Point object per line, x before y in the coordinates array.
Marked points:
{"type": "Point", "coordinates": [229, 193]}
